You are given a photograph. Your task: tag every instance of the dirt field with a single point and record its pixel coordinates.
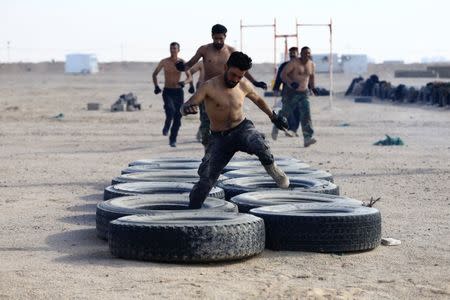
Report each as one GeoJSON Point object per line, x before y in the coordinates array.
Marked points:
{"type": "Point", "coordinates": [54, 171]}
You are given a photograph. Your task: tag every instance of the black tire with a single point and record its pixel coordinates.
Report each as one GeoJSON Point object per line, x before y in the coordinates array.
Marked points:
{"type": "Point", "coordinates": [363, 99]}
{"type": "Point", "coordinates": [320, 227]}
{"type": "Point", "coordinates": [152, 161]}
{"type": "Point", "coordinates": [248, 201]}
{"type": "Point", "coordinates": [256, 164]}
{"type": "Point", "coordinates": [289, 170]}
{"type": "Point", "coordinates": [236, 186]}
{"type": "Point", "coordinates": [140, 188]}
{"type": "Point", "coordinates": [188, 176]}
{"type": "Point", "coordinates": [161, 166]}
{"type": "Point", "coordinates": [150, 204]}
{"type": "Point", "coordinates": [187, 237]}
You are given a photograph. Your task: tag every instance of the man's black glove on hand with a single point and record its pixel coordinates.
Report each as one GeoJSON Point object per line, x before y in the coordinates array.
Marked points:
{"type": "Point", "coordinates": [279, 121]}
{"type": "Point", "coordinates": [180, 66]}
{"type": "Point", "coordinates": [181, 84]}
{"type": "Point", "coordinates": [190, 109]}
{"type": "Point", "coordinates": [315, 92]}
{"type": "Point", "coordinates": [157, 90]}
{"type": "Point", "coordinates": [295, 85]}
{"type": "Point", "coordinates": [191, 89]}
{"type": "Point", "coordinates": [260, 84]}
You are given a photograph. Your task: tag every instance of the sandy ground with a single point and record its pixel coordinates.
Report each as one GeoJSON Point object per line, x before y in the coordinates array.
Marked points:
{"type": "Point", "coordinates": [54, 171]}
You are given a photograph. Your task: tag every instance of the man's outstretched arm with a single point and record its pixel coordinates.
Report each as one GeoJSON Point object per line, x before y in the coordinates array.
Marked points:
{"type": "Point", "coordinates": [279, 121]}
{"type": "Point", "coordinates": [191, 106]}
{"type": "Point", "coordinates": [155, 77]}
{"type": "Point", "coordinates": [260, 84]}
{"type": "Point", "coordinates": [182, 66]}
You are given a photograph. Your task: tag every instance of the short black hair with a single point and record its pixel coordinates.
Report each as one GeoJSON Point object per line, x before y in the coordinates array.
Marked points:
{"type": "Point", "coordinates": [218, 28]}
{"type": "Point", "coordinates": [175, 44]}
{"type": "Point", "coordinates": [305, 48]}
{"type": "Point", "coordinates": [239, 60]}
{"type": "Point", "coordinates": [292, 49]}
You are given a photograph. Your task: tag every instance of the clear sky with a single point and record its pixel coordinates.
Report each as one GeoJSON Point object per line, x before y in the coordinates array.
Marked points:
{"type": "Point", "coordinates": [141, 30]}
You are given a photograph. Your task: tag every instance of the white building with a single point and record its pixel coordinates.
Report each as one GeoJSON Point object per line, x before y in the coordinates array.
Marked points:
{"type": "Point", "coordinates": [81, 63]}
{"type": "Point", "coordinates": [354, 63]}
{"type": "Point", "coordinates": [322, 62]}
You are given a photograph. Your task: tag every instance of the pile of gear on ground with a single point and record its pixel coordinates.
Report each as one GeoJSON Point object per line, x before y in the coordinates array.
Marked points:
{"type": "Point", "coordinates": [433, 93]}
{"type": "Point", "coordinates": [145, 214]}
{"type": "Point", "coordinates": [126, 102]}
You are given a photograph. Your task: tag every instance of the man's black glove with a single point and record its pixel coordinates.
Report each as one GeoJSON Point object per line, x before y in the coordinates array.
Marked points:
{"type": "Point", "coordinates": [260, 84]}
{"type": "Point", "coordinates": [181, 84]}
{"type": "Point", "coordinates": [189, 109]}
{"type": "Point", "coordinates": [191, 89]}
{"type": "Point", "coordinates": [157, 90]}
{"type": "Point", "coordinates": [315, 92]}
{"type": "Point", "coordinates": [279, 121]}
{"type": "Point", "coordinates": [180, 66]}
{"type": "Point", "coordinates": [295, 85]}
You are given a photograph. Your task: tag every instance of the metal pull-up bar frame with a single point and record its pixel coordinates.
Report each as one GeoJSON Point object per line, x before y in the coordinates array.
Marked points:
{"type": "Point", "coordinates": [275, 37]}
{"type": "Point", "coordinates": [296, 35]}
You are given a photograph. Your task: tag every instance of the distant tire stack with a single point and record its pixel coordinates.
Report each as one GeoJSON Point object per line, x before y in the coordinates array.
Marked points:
{"type": "Point", "coordinates": [146, 215]}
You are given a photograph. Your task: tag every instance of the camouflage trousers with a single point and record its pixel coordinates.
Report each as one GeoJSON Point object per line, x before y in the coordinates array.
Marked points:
{"type": "Point", "coordinates": [205, 132]}
{"type": "Point", "coordinates": [298, 103]}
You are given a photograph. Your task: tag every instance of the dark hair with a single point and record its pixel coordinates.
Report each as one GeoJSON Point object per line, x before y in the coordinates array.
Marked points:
{"type": "Point", "coordinates": [305, 48]}
{"type": "Point", "coordinates": [218, 28]}
{"type": "Point", "coordinates": [239, 60]}
{"type": "Point", "coordinates": [175, 44]}
{"type": "Point", "coordinates": [292, 49]}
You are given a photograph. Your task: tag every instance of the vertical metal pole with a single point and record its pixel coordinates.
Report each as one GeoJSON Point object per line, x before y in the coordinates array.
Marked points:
{"type": "Point", "coordinates": [275, 47]}
{"type": "Point", "coordinates": [7, 49]}
{"type": "Point", "coordinates": [331, 63]}
{"type": "Point", "coordinates": [285, 49]}
{"type": "Point", "coordinates": [241, 35]}
{"type": "Point", "coordinates": [296, 30]}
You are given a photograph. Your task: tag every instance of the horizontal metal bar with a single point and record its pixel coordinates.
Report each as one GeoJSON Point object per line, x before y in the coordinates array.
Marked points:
{"type": "Point", "coordinates": [314, 24]}
{"type": "Point", "coordinates": [272, 25]}
{"type": "Point", "coordinates": [286, 35]}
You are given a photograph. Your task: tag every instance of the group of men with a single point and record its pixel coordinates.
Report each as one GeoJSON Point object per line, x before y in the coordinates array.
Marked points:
{"type": "Point", "coordinates": [225, 83]}
{"type": "Point", "coordinates": [297, 78]}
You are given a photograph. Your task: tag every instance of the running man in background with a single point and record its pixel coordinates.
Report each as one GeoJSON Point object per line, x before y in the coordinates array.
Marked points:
{"type": "Point", "coordinates": [173, 94]}
{"type": "Point", "coordinates": [299, 75]}
{"type": "Point", "coordinates": [215, 56]}
{"type": "Point", "coordinates": [293, 116]}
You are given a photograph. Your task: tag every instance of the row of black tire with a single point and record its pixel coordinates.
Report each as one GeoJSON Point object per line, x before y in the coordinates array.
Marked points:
{"type": "Point", "coordinates": [145, 215]}
{"type": "Point", "coordinates": [433, 93]}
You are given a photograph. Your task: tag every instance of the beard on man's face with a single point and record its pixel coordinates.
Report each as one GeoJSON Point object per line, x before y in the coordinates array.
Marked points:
{"type": "Point", "coordinates": [218, 46]}
{"type": "Point", "coordinates": [229, 83]}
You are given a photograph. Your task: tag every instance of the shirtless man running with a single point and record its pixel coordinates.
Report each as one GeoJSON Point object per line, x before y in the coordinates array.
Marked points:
{"type": "Point", "coordinates": [299, 75]}
{"type": "Point", "coordinates": [173, 95]}
{"type": "Point", "coordinates": [224, 96]}
{"type": "Point", "coordinates": [215, 56]}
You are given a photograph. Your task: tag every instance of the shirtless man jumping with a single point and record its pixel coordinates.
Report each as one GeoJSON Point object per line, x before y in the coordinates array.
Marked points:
{"type": "Point", "coordinates": [215, 56]}
{"type": "Point", "coordinates": [299, 75]}
{"type": "Point", "coordinates": [224, 96]}
{"type": "Point", "coordinates": [173, 95]}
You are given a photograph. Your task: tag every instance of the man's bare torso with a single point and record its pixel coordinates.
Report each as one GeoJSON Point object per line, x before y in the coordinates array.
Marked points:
{"type": "Point", "coordinates": [171, 74]}
{"type": "Point", "coordinates": [223, 105]}
{"type": "Point", "coordinates": [301, 73]}
{"type": "Point", "coordinates": [214, 60]}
